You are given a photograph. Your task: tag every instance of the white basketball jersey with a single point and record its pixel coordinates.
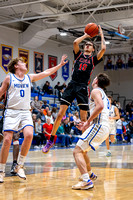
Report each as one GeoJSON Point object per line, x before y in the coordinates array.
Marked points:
{"type": "Point", "coordinates": [19, 93]}
{"type": "Point", "coordinates": [112, 114]}
{"type": "Point", "coordinates": [103, 117]}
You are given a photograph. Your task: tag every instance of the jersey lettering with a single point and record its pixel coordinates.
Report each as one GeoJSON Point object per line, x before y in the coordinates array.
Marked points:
{"type": "Point", "coordinates": [22, 93]}
{"type": "Point", "coordinates": [82, 66]}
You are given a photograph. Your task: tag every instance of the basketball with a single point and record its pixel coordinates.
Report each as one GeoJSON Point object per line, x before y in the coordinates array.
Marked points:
{"type": "Point", "coordinates": [92, 29]}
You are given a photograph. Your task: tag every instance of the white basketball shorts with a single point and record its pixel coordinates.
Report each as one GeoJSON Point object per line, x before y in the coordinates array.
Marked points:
{"type": "Point", "coordinates": [93, 137]}
{"type": "Point", "coordinates": [112, 129]}
{"type": "Point", "coordinates": [16, 120]}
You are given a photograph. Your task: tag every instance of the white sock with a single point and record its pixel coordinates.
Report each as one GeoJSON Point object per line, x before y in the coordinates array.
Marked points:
{"type": "Point", "coordinates": [2, 167]}
{"type": "Point", "coordinates": [85, 177]}
{"type": "Point", "coordinates": [90, 172]}
{"type": "Point", "coordinates": [109, 151]}
{"type": "Point", "coordinates": [21, 160]}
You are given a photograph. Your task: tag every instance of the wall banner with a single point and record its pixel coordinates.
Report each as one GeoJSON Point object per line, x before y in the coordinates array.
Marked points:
{"type": "Point", "coordinates": [52, 61]}
{"type": "Point", "coordinates": [6, 56]}
{"type": "Point", "coordinates": [38, 62]}
{"type": "Point", "coordinates": [65, 71]}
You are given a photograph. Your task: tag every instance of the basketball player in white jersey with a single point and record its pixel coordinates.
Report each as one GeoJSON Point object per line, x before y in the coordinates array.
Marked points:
{"type": "Point", "coordinates": [17, 115]}
{"type": "Point", "coordinates": [96, 130]}
{"type": "Point", "coordinates": [113, 116]}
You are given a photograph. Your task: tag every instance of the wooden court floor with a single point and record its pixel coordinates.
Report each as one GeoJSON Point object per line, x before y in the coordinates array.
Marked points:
{"type": "Point", "coordinates": [50, 176]}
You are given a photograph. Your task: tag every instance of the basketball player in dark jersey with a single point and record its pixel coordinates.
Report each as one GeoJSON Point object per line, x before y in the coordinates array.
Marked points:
{"type": "Point", "coordinates": [77, 87]}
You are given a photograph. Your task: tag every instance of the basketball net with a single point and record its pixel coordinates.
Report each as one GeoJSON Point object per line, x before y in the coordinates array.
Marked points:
{"type": "Point", "coordinates": [121, 30]}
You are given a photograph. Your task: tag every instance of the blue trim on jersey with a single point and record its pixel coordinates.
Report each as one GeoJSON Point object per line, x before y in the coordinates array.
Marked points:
{"type": "Point", "coordinates": [18, 78]}
{"type": "Point", "coordinates": [88, 133]}
{"type": "Point", "coordinates": [10, 130]}
{"type": "Point", "coordinates": [29, 78]}
{"type": "Point", "coordinates": [94, 137]}
{"type": "Point", "coordinates": [99, 118]}
{"type": "Point", "coordinates": [10, 81]}
{"type": "Point", "coordinates": [25, 126]}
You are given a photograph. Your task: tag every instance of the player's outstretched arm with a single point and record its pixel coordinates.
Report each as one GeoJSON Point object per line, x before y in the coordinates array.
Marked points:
{"type": "Point", "coordinates": [48, 72]}
{"type": "Point", "coordinates": [78, 41]}
{"type": "Point", "coordinates": [103, 45]}
{"type": "Point", "coordinates": [5, 85]}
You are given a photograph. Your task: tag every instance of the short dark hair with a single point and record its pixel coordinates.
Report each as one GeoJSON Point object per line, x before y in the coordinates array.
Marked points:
{"type": "Point", "coordinates": [110, 97]}
{"type": "Point", "coordinates": [103, 80]}
{"type": "Point", "coordinates": [12, 63]}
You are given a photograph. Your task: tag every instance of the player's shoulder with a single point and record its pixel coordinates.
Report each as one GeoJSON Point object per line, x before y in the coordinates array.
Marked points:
{"type": "Point", "coordinates": [7, 79]}
{"type": "Point", "coordinates": [95, 92]}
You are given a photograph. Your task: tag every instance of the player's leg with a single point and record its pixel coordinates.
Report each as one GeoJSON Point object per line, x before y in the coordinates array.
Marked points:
{"type": "Point", "coordinates": [15, 152]}
{"type": "Point", "coordinates": [108, 147]}
{"type": "Point", "coordinates": [28, 136]}
{"type": "Point", "coordinates": [60, 115]}
{"type": "Point", "coordinates": [112, 138]}
{"type": "Point", "coordinates": [4, 152]}
{"type": "Point", "coordinates": [83, 117]}
{"type": "Point", "coordinates": [85, 182]}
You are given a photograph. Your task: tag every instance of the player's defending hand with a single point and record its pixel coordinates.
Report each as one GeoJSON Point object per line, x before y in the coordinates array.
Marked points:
{"type": "Point", "coordinates": [63, 60]}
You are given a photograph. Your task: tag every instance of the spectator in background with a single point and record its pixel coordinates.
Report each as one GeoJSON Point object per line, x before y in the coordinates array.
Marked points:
{"type": "Point", "coordinates": [34, 118]}
{"type": "Point", "coordinates": [128, 133]}
{"type": "Point", "coordinates": [45, 111]}
{"type": "Point", "coordinates": [119, 63]}
{"type": "Point", "coordinates": [54, 113]}
{"type": "Point", "coordinates": [45, 104]}
{"type": "Point", "coordinates": [49, 116]}
{"type": "Point", "coordinates": [47, 128]}
{"type": "Point", "coordinates": [60, 94]}
{"type": "Point", "coordinates": [63, 86]}
{"type": "Point", "coordinates": [68, 130]}
{"type": "Point", "coordinates": [57, 88]}
{"type": "Point", "coordinates": [36, 137]}
{"type": "Point", "coordinates": [41, 116]}
{"type": "Point", "coordinates": [45, 87]}
{"type": "Point", "coordinates": [128, 108]}
{"type": "Point", "coordinates": [76, 121]}
{"type": "Point", "coordinates": [131, 128]}
{"type": "Point", "coordinates": [50, 89]}
{"type": "Point", "coordinates": [36, 105]}
{"type": "Point", "coordinates": [64, 138]}
{"type": "Point", "coordinates": [39, 132]}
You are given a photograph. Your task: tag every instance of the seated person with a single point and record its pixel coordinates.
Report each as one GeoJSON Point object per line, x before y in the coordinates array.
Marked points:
{"type": "Point", "coordinates": [64, 138]}
{"type": "Point", "coordinates": [47, 128]}
{"type": "Point", "coordinates": [45, 104]}
{"type": "Point", "coordinates": [39, 132]}
{"type": "Point", "coordinates": [41, 116]}
{"type": "Point", "coordinates": [68, 130]}
{"type": "Point", "coordinates": [49, 115]}
{"type": "Point", "coordinates": [36, 105]}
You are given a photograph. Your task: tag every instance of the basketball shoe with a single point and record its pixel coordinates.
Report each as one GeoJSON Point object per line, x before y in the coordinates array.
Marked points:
{"type": "Point", "coordinates": [13, 168]}
{"type": "Point", "coordinates": [2, 175]}
{"type": "Point", "coordinates": [93, 177]}
{"type": "Point", "coordinates": [108, 154]}
{"type": "Point", "coordinates": [83, 185]}
{"type": "Point", "coordinates": [46, 148]}
{"type": "Point", "coordinates": [19, 169]}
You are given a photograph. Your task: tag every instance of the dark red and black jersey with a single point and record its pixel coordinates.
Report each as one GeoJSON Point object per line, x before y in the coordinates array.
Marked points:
{"type": "Point", "coordinates": [83, 67]}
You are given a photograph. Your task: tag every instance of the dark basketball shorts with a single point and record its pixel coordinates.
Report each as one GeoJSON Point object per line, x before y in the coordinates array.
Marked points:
{"type": "Point", "coordinates": [78, 91]}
